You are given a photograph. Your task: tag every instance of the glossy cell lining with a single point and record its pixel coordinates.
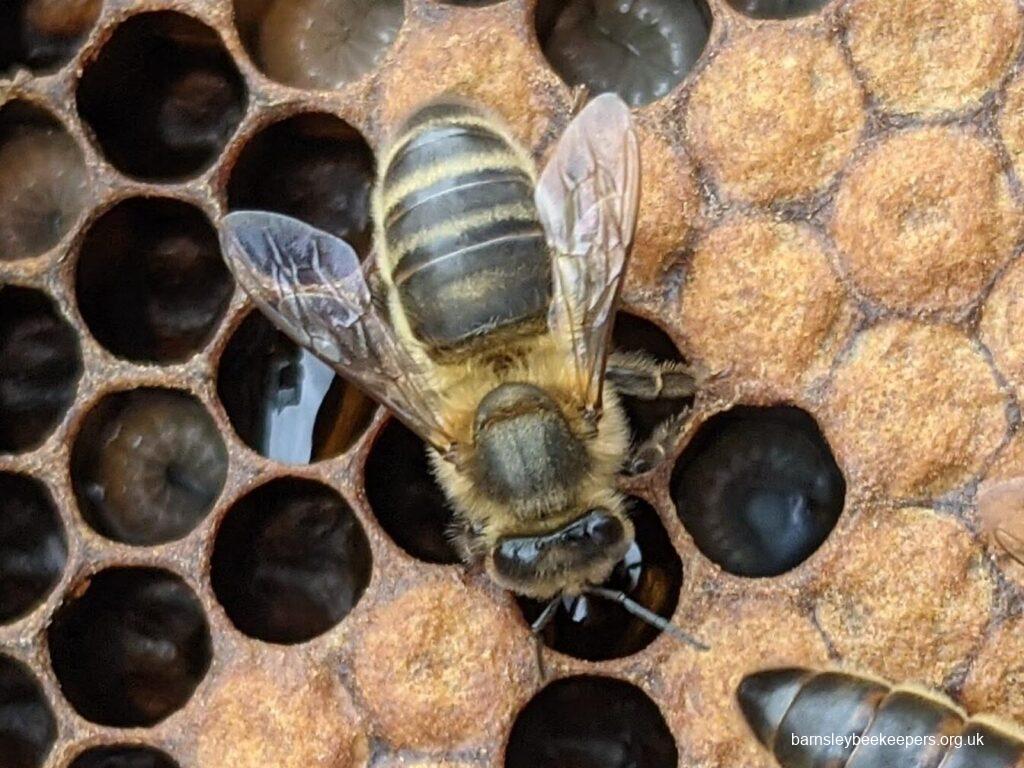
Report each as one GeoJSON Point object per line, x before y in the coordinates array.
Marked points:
{"type": "Point", "coordinates": [639, 49]}
{"type": "Point", "coordinates": [40, 364]}
{"type": "Point", "coordinates": [150, 281]}
{"type": "Point", "coordinates": [43, 181]}
{"type": "Point", "coordinates": [162, 97]}
{"type": "Point", "coordinates": [596, 629]}
{"type": "Point", "coordinates": [123, 756]}
{"type": "Point", "coordinates": [283, 401]}
{"type": "Point", "coordinates": [405, 498]}
{"type": "Point", "coordinates": [130, 647]}
{"type": "Point", "coordinates": [590, 722]}
{"type": "Point", "coordinates": [320, 44]}
{"type": "Point", "coordinates": [314, 167]}
{"type": "Point", "coordinates": [43, 34]}
{"type": "Point", "coordinates": [147, 466]}
{"type": "Point", "coordinates": [290, 561]}
{"type": "Point", "coordinates": [33, 547]}
{"type": "Point", "coordinates": [777, 9]}
{"type": "Point", "coordinates": [27, 725]}
{"type": "Point", "coordinates": [758, 489]}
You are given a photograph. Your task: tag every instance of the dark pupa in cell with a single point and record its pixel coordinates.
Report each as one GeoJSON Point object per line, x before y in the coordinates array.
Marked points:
{"type": "Point", "coordinates": [123, 756]}
{"type": "Point", "coordinates": [283, 401]}
{"type": "Point", "coordinates": [758, 489]}
{"type": "Point", "coordinates": [40, 364]}
{"type": "Point", "coordinates": [314, 167]}
{"type": "Point", "coordinates": [33, 548]}
{"type": "Point", "coordinates": [147, 466]}
{"type": "Point", "coordinates": [43, 34]}
{"type": "Point", "coordinates": [150, 280]}
{"type": "Point", "coordinates": [777, 9]}
{"type": "Point", "coordinates": [290, 561]}
{"type": "Point", "coordinates": [639, 49]}
{"type": "Point", "coordinates": [130, 648]}
{"type": "Point", "coordinates": [590, 722]}
{"type": "Point", "coordinates": [27, 726]}
{"type": "Point", "coordinates": [597, 629]}
{"type": "Point", "coordinates": [43, 182]}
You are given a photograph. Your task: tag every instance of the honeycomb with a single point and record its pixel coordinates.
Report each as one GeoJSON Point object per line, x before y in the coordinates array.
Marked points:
{"type": "Point", "coordinates": [214, 553]}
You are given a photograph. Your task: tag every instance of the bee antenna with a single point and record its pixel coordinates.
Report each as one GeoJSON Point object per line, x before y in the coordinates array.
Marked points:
{"type": "Point", "coordinates": [536, 628]}
{"type": "Point", "coordinates": [645, 615]}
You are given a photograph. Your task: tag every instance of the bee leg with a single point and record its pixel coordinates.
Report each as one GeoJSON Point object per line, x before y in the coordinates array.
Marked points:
{"type": "Point", "coordinates": [536, 629]}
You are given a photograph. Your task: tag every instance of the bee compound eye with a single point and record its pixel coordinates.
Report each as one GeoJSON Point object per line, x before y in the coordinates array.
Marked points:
{"type": "Point", "coordinates": [603, 528]}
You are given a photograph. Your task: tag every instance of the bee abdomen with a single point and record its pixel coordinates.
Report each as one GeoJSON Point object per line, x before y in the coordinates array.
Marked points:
{"type": "Point", "coordinates": [814, 719]}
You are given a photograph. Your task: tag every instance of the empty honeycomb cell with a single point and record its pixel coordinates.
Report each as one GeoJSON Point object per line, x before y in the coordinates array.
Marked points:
{"type": "Point", "coordinates": [996, 680]}
{"type": "Point", "coordinates": [761, 298]}
{"type": "Point", "coordinates": [33, 547]}
{"type": "Point", "coordinates": [40, 365]}
{"type": "Point", "coordinates": [775, 115]}
{"type": "Point", "coordinates": [27, 726]}
{"type": "Point", "coordinates": [441, 667]}
{"type": "Point", "coordinates": [914, 410]}
{"type": "Point", "coordinates": [405, 497]}
{"type": "Point", "coordinates": [884, 613]}
{"type": "Point", "coordinates": [758, 489]}
{"type": "Point", "coordinates": [1001, 319]}
{"type": "Point", "coordinates": [318, 43]}
{"type": "Point", "coordinates": [315, 167]}
{"type": "Point", "coordinates": [597, 629]}
{"type": "Point", "coordinates": [150, 281]}
{"type": "Point", "coordinates": [777, 9]}
{"type": "Point", "coordinates": [123, 756]}
{"type": "Point", "coordinates": [130, 646]}
{"type": "Point", "coordinates": [43, 181]}
{"type": "Point", "coordinates": [147, 466]}
{"type": "Point", "coordinates": [597, 722]}
{"type": "Point", "coordinates": [283, 401]}
{"type": "Point", "coordinates": [162, 97]}
{"type": "Point", "coordinates": [1011, 123]}
{"type": "Point", "coordinates": [932, 56]}
{"type": "Point", "coordinates": [44, 34]}
{"type": "Point", "coordinates": [639, 49]}
{"type": "Point", "coordinates": [290, 561]}
{"type": "Point", "coordinates": [925, 219]}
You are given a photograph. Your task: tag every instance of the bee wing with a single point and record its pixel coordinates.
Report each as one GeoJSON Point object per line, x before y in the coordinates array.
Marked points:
{"type": "Point", "coordinates": [311, 286]}
{"type": "Point", "coordinates": [1001, 509]}
{"type": "Point", "coordinates": [587, 198]}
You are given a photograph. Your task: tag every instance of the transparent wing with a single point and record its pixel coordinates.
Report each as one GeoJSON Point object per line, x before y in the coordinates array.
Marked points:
{"type": "Point", "coordinates": [1001, 509]}
{"type": "Point", "coordinates": [311, 286]}
{"type": "Point", "coordinates": [587, 198]}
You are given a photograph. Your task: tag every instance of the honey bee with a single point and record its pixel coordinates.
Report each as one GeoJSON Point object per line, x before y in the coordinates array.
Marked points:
{"type": "Point", "coordinates": [1001, 508]}
{"type": "Point", "coordinates": [483, 324]}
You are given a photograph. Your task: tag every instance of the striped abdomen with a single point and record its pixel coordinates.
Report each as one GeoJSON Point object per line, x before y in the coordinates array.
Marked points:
{"type": "Point", "coordinates": [794, 712]}
{"type": "Point", "coordinates": [464, 245]}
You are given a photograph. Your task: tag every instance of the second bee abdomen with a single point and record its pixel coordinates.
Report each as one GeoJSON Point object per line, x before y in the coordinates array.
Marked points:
{"type": "Point", "coordinates": [465, 246]}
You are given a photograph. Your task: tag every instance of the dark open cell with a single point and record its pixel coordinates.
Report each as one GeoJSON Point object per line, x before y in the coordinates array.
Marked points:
{"type": "Point", "coordinates": [777, 9]}
{"type": "Point", "coordinates": [147, 466]}
{"type": "Point", "coordinates": [33, 548]}
{"type": "Point", "coordinates": [290, 561]}
{"type": "Point", "coordinates": [758, 489]}
{"type": "Point", "coordinates": [590, 722]}
{"type": "Point", "coordinates": [318, 43]}
{"type": "Point", "coordinates": [314, 167]}
{"type": "Point", "coordinates": [27, 726]}
{"type": "Point", "coordinates": [163, 97]}
{"type": "Point", "coordinates": [595, 629]}
{"type": "Point", "coordinates": [123, 756]}
{"type": "Point", "coordinates": [283, 401]}
{"type": "Point", "coordinates": [151, 283]}
{"type": "Point", "coordinates": [40, 365]}
{"type": "Point", "coordinates": [405, 497]}
{"type": "Point", "coordinates": [43, 34]}
{"type": "Point", "coordinates": [639, 49]}
{"type": "Point", "coordinates": [131, 648]}
{"type": "Point", "coordinates": [43, 181]}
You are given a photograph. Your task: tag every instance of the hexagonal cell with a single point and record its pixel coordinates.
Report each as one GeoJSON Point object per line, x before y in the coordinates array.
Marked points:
{"type": "Point", "coordinates": [162, 97]}
{"type": "Point", "coordinates": [290, 561]}
{"type": "Point", "coordinates": [28, 728]}
{"type": "Point", "coordinates": [40, 364]}
{"type": "Point", "coordinates": [640, 50]}
{"type": "Point", "coordinates": [147, 466]}
{"type": "Point", "coordinates": [130, 646]}
{"type": "Point", "coordinates": [595, 629]}
{"type": "Point", "coordinates": [150, 281]}
{"type": "Point", "coordinates": [777, 9]}
{"type": "Point", "coordinates": [315, 167]}
{"type": "Point", "coordinates": [283, 401]}
{"type": "Point", "coordinates": [33, 547]}
{"type": "Point", "coordinates": [599, 722]}
{"type": "Point", "coordinates": [758, 489]}
{"type": "Point", "coordinates": [44, 34]}
{"type": "Point", "coordinates": [318, 43]}
{"type": "Point", "coordinates": [43, 181]}
{"type": "Point", "coordinates": [123, 756]}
